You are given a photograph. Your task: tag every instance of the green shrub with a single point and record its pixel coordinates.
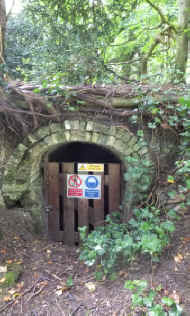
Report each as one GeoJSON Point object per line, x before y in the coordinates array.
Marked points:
{"type": "Point", "coordinates": [118, 242]}
{"type": "Point", "coordinates": [150, 302]}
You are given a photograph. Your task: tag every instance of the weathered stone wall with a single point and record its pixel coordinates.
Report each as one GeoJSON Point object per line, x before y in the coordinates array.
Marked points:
{"type": "Point", "coordinates": [7, 146]}
{"type": "Point", "coordinates": [22, 165]}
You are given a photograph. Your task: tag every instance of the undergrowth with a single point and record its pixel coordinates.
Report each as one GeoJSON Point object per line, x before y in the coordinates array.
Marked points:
{"type": "Point", "coordinates": [118, 243]}
{"type": "Point", "coordinates": [151, 301]}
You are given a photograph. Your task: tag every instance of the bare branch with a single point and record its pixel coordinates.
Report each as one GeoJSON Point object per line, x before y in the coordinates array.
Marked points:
{"type": "Point", "coordinates": [163, 18]}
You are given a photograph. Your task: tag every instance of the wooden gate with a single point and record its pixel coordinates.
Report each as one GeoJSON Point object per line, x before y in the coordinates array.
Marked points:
{"type": "Point", "coordinates": [65, 215]}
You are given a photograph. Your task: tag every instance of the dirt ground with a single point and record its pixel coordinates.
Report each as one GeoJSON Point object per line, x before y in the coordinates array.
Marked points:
{"type": "Point", "coordinates": [55, 283]}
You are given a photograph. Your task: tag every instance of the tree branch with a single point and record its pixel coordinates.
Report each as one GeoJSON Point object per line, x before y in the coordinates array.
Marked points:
{"type": "Point", "coordinates": [163, 18]}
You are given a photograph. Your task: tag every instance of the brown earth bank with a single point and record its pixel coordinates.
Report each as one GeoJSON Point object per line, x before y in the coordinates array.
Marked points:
{"type": "Point", "coordinates": [53, 282]}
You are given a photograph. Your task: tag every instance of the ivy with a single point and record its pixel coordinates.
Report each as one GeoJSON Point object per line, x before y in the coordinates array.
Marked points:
{"type": "Point", "coordinates": [108, 245]}
{"type": "Point", "coordinates": [150, 301]}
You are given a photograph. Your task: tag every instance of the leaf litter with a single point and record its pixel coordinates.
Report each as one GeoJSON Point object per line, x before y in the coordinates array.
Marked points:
{"type": "Point", "coordinates": [54, 282]}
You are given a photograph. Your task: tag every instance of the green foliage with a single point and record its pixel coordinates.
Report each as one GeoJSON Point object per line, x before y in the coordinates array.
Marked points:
{"type": "Point", "coordinates": [69, 281]}
{"type": "Point", "coordinates": [91, 41]}
{"type": "Point", "coordinates": [119, 243]}
{"type": "Point", "coordinates": [12, 275]}
{"type": "Point", "coordinates": [150, 302]}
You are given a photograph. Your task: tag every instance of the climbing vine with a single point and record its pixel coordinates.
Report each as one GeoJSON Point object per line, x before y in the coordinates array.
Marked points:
{"type": "Point", "coordinates": [149, 226]}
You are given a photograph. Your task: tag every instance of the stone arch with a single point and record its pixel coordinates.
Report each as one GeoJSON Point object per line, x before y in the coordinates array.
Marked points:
{"type": "Point", "coordinates": [23, 178]}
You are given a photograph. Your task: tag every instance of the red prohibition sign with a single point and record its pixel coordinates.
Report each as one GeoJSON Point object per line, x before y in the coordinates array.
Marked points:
{"type": "Point", "coordinates": [75, 181]}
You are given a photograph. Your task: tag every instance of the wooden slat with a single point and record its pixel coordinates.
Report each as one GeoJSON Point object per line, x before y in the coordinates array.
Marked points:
{"type": "Point", "coordinates": [98, 212]}
{"type": "Point", "coordinates": [83, 219]}
{"type": "Point", "coordinates": [83, 210]}
{"type": "Point", "coordinates": [114, 188]}
{"type": "Point", "coordinates": [53, 200]}
{"type": "Point", "coordinates": [69, 218]}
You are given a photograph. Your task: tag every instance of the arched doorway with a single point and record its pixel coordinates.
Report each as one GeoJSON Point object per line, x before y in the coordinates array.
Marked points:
{"type": "Point", "coordinates": [82, 185]}
{"type": "Point", "coordinates": [23, 180]}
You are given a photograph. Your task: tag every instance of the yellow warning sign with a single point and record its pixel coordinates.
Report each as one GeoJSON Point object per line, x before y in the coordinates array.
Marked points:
{"type": "Point", "coordinates": [93, 167]}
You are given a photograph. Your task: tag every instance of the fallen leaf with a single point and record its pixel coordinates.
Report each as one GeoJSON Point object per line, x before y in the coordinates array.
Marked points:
{"type": "Point", "coordinates": [36, 275]}
{"type": "Point", "coordinates": [59, 292]}
{"type": "Point", "coordinates": [2, 280]}
{"type": "Point", "coordinates": [175, 297]}
{"type": "Point", "coordinates": [90, 286]}
{"type": "Point", "coordinates": [61, 289]}
{"type": "Point", "coordinates": [9, 261]}
{"type": "Point", "coordinates": [178, 258]}
{"type": "Point", "coordinates": [16, 294]}
{"type": "Point", "coordinates": [186, 239]}
{"type": "Point", "coordinates": [3, 251]}
{"type": "Point", "coordinates": [123, 274]}
{"type": "Point", "coordinates": [12, 291]}
{"type": "Point", "coordinates": [19, 262]}
{"type": "Point", "coordinates": [166, 292]}
{"type": "Point", "coordinates": [16, 237]}
{"type": "Point", "coordinates": [20, 285]}
{"type": "Point", "coordinates": [7, 298]}
{"type": "Point", "coordinates": [3, 269]}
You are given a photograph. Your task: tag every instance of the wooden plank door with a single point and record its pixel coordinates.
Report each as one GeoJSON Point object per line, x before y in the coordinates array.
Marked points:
{"type": "Point", "coordinates": [67, 214]}
{"type": "Point", "coordinates": [53, 201]}
{"type": "Point", "coordinates": [114, 187]}
{"type": "Point", "coordinates": [98, 213]}
{"type": "Point", "coordinates": [83, 212]}
{"type": "Point", "coordinates": [69, 208]}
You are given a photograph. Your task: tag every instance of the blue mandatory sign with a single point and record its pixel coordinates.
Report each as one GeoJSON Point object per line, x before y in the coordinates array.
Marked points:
{"type": "Point", "coordinates": [91, 182]}
{"type": "Point", "coordinates": [92, 194]}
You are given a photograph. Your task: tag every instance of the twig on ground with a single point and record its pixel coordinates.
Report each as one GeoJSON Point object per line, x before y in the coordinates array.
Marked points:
{"type": "Point", "coordinates": [6, 306]}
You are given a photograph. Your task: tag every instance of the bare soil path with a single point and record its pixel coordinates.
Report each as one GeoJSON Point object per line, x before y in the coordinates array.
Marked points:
{"type": "Point", "coordinates": [54, 282]}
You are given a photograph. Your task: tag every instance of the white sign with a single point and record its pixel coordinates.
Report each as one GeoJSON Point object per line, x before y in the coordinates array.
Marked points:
{"type": "Point", "coordinates": [84, 186]}
{"type": "Point", "coordinates": [93, 167]}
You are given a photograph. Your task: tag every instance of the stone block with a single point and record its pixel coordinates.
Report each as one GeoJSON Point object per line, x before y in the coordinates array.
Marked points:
{"type": "Point", "coordinates": [90, 126]}
{"type": "Point", "coordinates": [97, 127]}
{"type": "Point", "coordinates": [67, 136]}
{"type": "Point", "coordinates": [67, 125]}
{"type": "Point", "coordinates": [42, 132]}
{"type": "Point", "coordinates": [101, 140]}
{"type": "Point", "coordinates": [76, 135]}
{"type": "Point", "coordinates": [113, 131]}
{"type": "Point", "coordinates": [119, 145]}
{"type": "Point", "coordinates": [110, 141]}
{"type": "Point", "coordinates": [82, 125]}
{"type": "Point", "coordinates": [75, 125]}
{"type": "Point", "coordinates": [95, 137]}
{"type": "Point", "coordinates": [88, 137]}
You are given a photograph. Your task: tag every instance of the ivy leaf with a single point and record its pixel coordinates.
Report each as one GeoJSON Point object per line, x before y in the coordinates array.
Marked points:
{"type": "Point", "coordinates": [168, 226]}
{"type": "Point", "coordinates": [168, 301]}
{"type": "Point", "coordinates": [184, 101]}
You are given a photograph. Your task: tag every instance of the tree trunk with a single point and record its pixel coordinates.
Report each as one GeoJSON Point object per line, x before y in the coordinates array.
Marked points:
{"type": "Point", "coordinates": [182, 40]}
{"type": "Point", "coordinates": [2, 29]}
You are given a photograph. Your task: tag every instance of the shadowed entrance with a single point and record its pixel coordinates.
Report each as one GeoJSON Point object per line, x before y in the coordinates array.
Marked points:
{"type": "Point", "coordinates": [83, 152]}
{"type": "Point", "coordinates": [67, 213]}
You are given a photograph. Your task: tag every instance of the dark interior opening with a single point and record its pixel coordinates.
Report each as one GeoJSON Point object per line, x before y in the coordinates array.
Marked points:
{"type": "Point", "coordinates": [83, 152]}
{"type": "Point", "coordinates": [80, 152]}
